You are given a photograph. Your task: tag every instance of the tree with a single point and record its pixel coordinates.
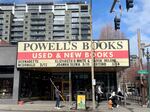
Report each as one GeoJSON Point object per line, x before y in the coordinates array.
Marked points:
{"type": "Point", "coordinates": [108, 33]}
{"type": "Point", "coordinates": [132, 73]}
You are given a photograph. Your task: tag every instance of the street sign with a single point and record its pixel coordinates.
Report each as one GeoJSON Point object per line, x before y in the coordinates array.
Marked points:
{"type": "Point", "coordinates": [142, 72]}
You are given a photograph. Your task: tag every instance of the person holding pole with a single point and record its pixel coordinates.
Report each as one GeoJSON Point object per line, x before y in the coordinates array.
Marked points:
{"type": "Point", "coordinates": [57, 95]}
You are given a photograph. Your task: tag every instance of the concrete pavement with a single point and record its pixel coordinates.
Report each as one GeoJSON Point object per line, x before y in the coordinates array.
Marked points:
{"type": "Point", "coordinates": [49, 106]}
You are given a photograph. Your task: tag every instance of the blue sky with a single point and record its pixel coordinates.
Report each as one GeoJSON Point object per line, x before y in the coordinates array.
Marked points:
{"type": "Point", "coordinates": [136, 18]}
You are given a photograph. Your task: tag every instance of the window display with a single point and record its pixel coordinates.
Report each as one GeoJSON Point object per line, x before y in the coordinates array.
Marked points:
{"type": "Point", "coordinates": [6, 87]}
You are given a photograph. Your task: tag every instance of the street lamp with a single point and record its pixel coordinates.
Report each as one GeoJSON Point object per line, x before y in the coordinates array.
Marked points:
{"type": "Point", "coordinates": [147, 55]}
{"type": "Point", "coordinates": [92, 60]}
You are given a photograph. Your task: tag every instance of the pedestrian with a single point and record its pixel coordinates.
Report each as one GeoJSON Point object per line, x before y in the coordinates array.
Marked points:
{"type": "Point", "coordinates": [120, 96]}
{"type": "Point", "coordinates": [99, 93]}
{"type": "Point", "coordinates": [57, 95]}
{"type": "Point", "coordinates": [114, 99]}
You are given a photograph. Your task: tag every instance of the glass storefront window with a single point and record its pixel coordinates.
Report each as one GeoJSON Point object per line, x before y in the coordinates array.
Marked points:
{"type": "Point", "coordinates": [6, 88]}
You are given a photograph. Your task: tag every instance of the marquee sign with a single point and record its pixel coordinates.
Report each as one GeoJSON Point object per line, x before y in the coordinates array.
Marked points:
{"type": "Point", "coordinates": [72, 53]}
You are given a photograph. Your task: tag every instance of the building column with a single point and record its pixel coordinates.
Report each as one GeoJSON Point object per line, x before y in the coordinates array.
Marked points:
{"type": "Point", "coordinates": [16, 85]}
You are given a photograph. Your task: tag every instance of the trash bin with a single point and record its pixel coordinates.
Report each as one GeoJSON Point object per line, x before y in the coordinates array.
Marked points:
{"type": "Point", "coordinates": [81, 100]}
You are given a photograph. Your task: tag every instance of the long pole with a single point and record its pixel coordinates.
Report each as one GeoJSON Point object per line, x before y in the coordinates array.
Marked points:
{"type": "Point", "coordinates": [148, 69]}
{"type": "Point", "coordinates": [141, 65]}
{"type": "Point", "coordinates": [92, 61]}
{"type": "Point", "coordinates": [139, 52]}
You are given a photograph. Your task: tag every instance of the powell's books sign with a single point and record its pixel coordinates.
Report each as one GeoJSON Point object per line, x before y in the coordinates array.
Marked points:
{"type": "Point", "coordinates": [73, 53]}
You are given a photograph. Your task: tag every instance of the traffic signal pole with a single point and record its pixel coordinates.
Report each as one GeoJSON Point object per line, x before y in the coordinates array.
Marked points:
{"type": "Point", "coordinates": [129, 4]}
{"type": "Point", "coordinates": [113, 5]}
{"type": "Point", "coordinates": [148, 69]}
{"type": "Point", "coordinates": [147, 55]}
{"type": "Point", "coordinates": [140, 65]}
{"type": "Point", "coordinates": [140, 53]}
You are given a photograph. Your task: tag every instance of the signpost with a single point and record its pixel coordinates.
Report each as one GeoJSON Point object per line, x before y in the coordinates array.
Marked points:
{"type": "Point", "coordinates": [142, 72]}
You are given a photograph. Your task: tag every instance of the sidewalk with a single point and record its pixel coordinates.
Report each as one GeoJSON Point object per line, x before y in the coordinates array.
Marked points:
{"type": "Point", "coordinates": [65, 107]}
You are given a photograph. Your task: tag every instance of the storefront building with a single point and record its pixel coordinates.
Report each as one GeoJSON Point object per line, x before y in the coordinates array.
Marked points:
{"type": "Point", "coordinates": [9, 75]}
{"type": "Point", "coordinates": [26, 71]}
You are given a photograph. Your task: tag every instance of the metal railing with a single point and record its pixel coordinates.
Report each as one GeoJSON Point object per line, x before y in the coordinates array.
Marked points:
{"type": "Point", "coordinates": [135, 99]}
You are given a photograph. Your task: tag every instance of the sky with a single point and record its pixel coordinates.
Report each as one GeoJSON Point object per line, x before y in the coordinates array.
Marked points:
{"type": "Point", "coordinates": [136, 18]}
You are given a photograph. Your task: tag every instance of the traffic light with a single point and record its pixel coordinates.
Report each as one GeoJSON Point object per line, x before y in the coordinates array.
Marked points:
{"type": "Point", "coordinates": [117, 23]}
{"type": "Point", "coordinates": [129, 4]}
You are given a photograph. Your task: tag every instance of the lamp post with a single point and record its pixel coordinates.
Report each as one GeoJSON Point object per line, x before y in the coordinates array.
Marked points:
{"type": "Point", "coordinates": [92, 60]}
